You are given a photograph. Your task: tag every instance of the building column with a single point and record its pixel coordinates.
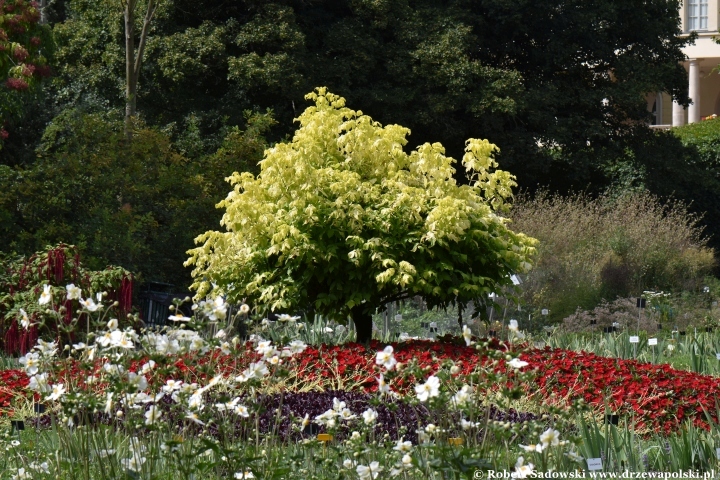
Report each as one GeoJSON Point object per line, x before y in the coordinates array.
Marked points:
{"type": "Point", "coordinates": [694, 91]}
{"type": "Point", "coordinates": [678, 114]}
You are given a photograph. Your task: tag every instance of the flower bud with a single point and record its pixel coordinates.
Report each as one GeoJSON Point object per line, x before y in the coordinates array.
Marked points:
{"type": "Point", "coordinates": [116, 303]}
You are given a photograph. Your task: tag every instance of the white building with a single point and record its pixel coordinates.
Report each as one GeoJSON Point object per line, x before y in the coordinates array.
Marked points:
{"type": "Point", "coordinates": [703, 17]}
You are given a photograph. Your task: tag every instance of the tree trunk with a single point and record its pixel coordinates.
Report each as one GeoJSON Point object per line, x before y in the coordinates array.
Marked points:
{"type": "Point", "coordinates": [363, 323]}
{"type": "Point", "coordinates": [130, 79]}
{"type": "Point", "coordinates": [133, 60]}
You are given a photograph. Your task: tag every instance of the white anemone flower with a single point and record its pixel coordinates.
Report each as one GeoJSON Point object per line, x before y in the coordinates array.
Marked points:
{"type": "Point", "coordinates": [89, 304]}
{"type": "Point", "coordinates": [45, 296]}
{"type": "Point", "coordinates": [462, 397]}
{"type": "Point", "coordinates": [30, 363]}
{"type": "Point", "coordinates": [39, 383]}
{"type": "Point", "coordinates": [467, 335]}
{"type": "Point", "coordinates": [113, 324]}
{"type": "Point", "coordinates": [368, 472]}
{"type": "Point", "coordinates": [58, 390]}
{"type": "Point", "coordinates": [550, 437]}
{"type": "Point", "coordinates": [369, 416]}
{"type": "Point", "coordinates": [403, 446]}
{"type": "Point", "coordinates": [386, 358]}
{"type": "Point", "coordinates": [244, 475]}
{"type": "Point", "coordinates": [73, 292]}
{"type": "Point", "coordinates": [522, 470]}
{"type": "Point", "coordinates": [179, 317]}
{"type": "Point", "coordinates": [383, 387]}
{"type": "Point", "coordinates": [431, 388]}
{"type": "Point", "coordinates": [24, 320]}
{"type": "Point", "coordinates": [517, 363]}
{"type": "Point", "coordinates": [152, 415]}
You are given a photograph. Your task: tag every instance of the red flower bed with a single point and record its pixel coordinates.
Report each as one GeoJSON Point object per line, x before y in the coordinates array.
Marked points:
{"type": "Point", "coordinates": [654, 396]}
{"type": "Point", "coordinates": [12, 384]}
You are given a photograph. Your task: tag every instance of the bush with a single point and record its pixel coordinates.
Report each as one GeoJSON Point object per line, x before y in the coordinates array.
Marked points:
{"type": "Point", "coordinates": [136, 204]}
{"type": "Point", "coordinates": [604, 248]}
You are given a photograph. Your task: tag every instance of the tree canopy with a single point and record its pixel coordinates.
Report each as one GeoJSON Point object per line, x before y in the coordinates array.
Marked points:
{"type": "Point", "coordinates": [341, 220]}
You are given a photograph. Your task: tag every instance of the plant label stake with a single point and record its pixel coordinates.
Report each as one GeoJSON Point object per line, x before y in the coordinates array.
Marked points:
{"type": "Point", "coordinates": [717, 453]}
{"type": "Point", "coordinates": [652, 342]}
{"type": "Point", "coordinates": [594, 464]}
{"type": "Point", "coordinates": [634, 340]}
{"type": "Point", "coordinates": [717, 355]}
{"type": "Point", "coordinates": [17, 425]}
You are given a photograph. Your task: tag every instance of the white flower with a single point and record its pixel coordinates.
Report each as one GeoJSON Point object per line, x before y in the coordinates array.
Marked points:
{"type": "Point", "coordinates": [533, 448]}
{"type": "Point", "coordinates": [521, 470]}
{"type": "Point", "coordinates": [462, 397]}
{"type": "Point", "coordinates": [147, 367]}
{"type": "Point", "coordinates": [89, 304]}
{"type": "Point", "coordinates": [22, 475]}
{"type": "Point", "coordinates": [431, 388]}
{"type": "Point", "coordinates": [287, 318]}
{"type": "Point", "coordinates": [24, 319]}
{"type": "Point", "coordinates": [338, 405]}
{"type": "Point", "coordinates": [255, 370]}
{"type": "Point", "coordinates": [73, 292]}
{"type": "Point", "coordinates": [572, 455]}
{"type": "Point", "coordinates": [550, 437]}
{"type": "Point", "coordinates": [30, 362]}
{"type": "Point", "coordinates": [39, 383]}
{"type": "Point", "coordinates": [109, 403]}
{"type": "Point", "coordinates": [241, 410]}
{"type": "Point", "coordinates": [221, 407]}
{"type": "Point", "coordinates": [467, 425]}
{"type": "Point", "coordinates": [245, 474]}
{"type": "Point", "coordinates": [179, 317]}
{"type": "Point", "coordinates": [133, 463]}
{"type": "Point", "coordinates": [40, 467]}
{"type": "Point", "coordinates": [46, 349]}
{"type": "Point", "coordinates": [196, 402]}
{"type": "Point", "coordinates": [244, 309]}
{"type": "Point", "coordinates": [383, 387]}
{"type": "Point", "coordinates": [152, 415]}
{"type": "Point", "coordinates": [192, 416]}
{"type": "Point", "coordinates": [515, 330]}
{"type": "Point", "coordinates": [46, 296]}
{"type": "Point", "coordinates": [386, 358]}
{"type": "Point", "coordinates": [137, 381]}
{"type": "Point", "coordinates": [369, 416]}
{"type": "Point", "coordinates": [225, 348]}
{"type": "Point", "coordinates": [297, 346]}
{"type": "Point", "coordinates": [406, 461]}
{"type": "Point", "coordinates": [58, 390]}
{"type": "Point", "coordinates": [218, 309]}
{"type": "Point", "coordinates": [328, 330]}
{"type": "Point", "coordinates": [349, 464]}
{"type": "Point", "coordinates": [403, 447]}
{"type": "Point", "coordinates": [517, 363]}
{"type": "Point", "coordinates": [346, 414]}
{"type": "Point", "coordinates": [112, 324]}
{"type": "Point", "coordinates": [368, 472]}
{"type": "Point", "coordinates": [467, 335]}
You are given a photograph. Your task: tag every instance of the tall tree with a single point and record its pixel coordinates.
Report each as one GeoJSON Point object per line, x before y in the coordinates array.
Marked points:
{"type": "Point", "coordinates": [133, 58]}
{"type": "Point", "coordinates": [342, 220]}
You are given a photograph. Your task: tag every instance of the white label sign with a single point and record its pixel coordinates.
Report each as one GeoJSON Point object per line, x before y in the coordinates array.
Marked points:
{"type": "Point", "coordinates": [634, 339]}
{"type": "Point", "coordinates": [652, 341]}
{"type": "Point", "coordinates": [717, 453]}
{"type": "Point", "coordinates": [717, 355]}
{"type": "Point", "coordinates": [594, 464]}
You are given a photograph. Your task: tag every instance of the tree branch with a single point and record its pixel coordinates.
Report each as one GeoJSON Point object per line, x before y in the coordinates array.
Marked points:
{"type": "Point", "coordinates": [149, 14]}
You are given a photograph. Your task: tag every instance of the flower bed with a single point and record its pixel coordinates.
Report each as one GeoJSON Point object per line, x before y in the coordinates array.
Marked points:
{"type": "Point", "coordinates": [652, 396]}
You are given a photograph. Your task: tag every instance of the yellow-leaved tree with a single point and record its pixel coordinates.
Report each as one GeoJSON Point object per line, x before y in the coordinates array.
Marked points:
{"type": "Point", "coordinates": [342, 220]}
